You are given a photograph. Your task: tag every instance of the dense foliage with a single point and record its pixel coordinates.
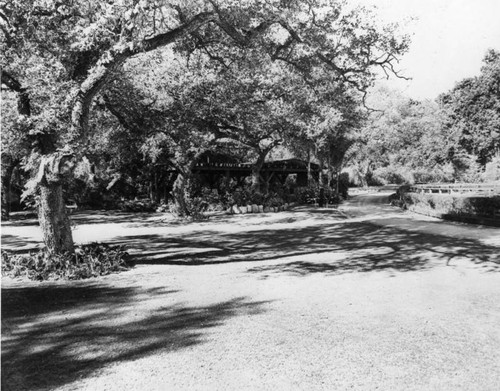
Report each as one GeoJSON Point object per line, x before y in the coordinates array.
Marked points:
{"type": "Point", "coordinates": [456, 138]}
{"type": "Point", "coordinates": [403, 141]}
{"type": "Point", "coordinates": [120, 99]}
{"type": "Point", "coordinates": [87, 261]}
{"type": "Point", "coordinates": [455, 207]}
{"type": "Point", "coordinates": [63, 58]}
{"type": "Point", "coordinates": [473, 112]}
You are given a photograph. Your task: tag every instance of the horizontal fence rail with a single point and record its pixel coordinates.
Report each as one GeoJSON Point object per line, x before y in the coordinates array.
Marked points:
{"type": "Point", "coordinates": [484, 189]}
{"type": "Point", "coordinates": [476, 203]}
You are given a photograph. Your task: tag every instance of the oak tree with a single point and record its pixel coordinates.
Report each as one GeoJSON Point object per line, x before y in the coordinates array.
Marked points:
{"type": "Point", "coordinates": [64, 53]}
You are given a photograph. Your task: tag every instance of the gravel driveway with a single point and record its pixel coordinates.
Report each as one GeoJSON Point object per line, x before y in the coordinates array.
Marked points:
{"type": "Point", "coordinates": [363, 298]}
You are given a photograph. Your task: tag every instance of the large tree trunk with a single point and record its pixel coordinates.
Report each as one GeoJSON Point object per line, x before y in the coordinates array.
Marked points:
{"type": "Point", "coordinates": [52, 216]}
{"type": "Point", "coordinates": [309, 170]}
{"type": "Point", "coordinates": [321, 175]}
{"type": "Point", "coordinates": [54, 220]}
{"type": "Point", "coordinates": [8, 166]}
{"type": "Point", "coordinates": [256, 168]}
{"type": "Point", "coordinates": [256, 178]}
{"type": "Point", "coordinates": [179, 192]}
{"type": "Point", "coordinates": [8, 163]}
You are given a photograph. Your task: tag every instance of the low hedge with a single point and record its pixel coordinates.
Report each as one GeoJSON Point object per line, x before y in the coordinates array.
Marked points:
{"type": "Point", "coordinates": [485, 210]}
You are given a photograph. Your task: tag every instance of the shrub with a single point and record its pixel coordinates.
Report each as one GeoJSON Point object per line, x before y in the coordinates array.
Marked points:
{"type": "Point", "coordinates": [196, 207]}
{"type": "Point", "coordinates": [309, 194]}
{"type": "Point", "coordinates": [373, 180]}
{"type": "Point", "coordinates": [162, 208]}
{"type": "Point", "coordinates": [87, 261]}
{"type": "Point", "coordinates": [273, 200]}
{"type": "Point", "coordinates": [197, 200]}
{"type": "Point", "coordinates": [242, 196]}
{"type": "Point", "coordinates": [393, 174]}
{"type": "Point", "coordinates": [467, 168]}
{"type": "Point", "coordinates": [451, 206]}
{"type": "Point", "coordinates": [343, 185]}
{"type": "Point", "coordinates": [145, 206]}
{"type": "Point", "coordinates": [492, 170]}
{"type": "Point", "coordinates": [355, 176]}
{"type": "Point", "coordinates": [305, 194]}
{"type": "Point", "coordinates": [438, 174]}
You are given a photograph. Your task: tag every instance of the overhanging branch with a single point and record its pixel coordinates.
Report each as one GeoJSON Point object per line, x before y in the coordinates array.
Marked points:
{"type": "Point", "coordinates": [112, 59]}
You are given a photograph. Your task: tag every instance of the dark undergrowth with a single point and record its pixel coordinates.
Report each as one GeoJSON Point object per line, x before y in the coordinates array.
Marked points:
{"type": "Point", "coordinates": [86, 261]}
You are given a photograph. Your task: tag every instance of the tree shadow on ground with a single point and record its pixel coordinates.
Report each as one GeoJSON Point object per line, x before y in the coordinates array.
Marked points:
{"type": "Point", "coordinates": [56, 334]}
{"type": "Point", "coordinates": [334, 247]}
{"type": "Point", "coordinates": [154, 219]}
{"type": "Point", "coordinates": [14, 242]}
{"type": "Point", "coordinates": [111, 217]}
{"type": "Point", "coordinates": [20, 219]}
{"type": "Point", "coordinates": [21, 222]}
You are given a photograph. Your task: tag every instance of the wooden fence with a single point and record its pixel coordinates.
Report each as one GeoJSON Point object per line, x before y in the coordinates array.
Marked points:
{"type": "Point", "coordinates": [480, 206]}
{"type": "Point", "coordinates": [482, 189]}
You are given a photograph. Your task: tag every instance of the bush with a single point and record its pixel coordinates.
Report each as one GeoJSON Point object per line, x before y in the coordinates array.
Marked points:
{"type": "Point", "coordinates": [393, 174]}
{"type": "Point", "coordinates": [87, 261]}
{"type": "Point", "coordinates": [305, 194]}
{"type": "Point", "coordinates": [196, 207]}
{"type": "Point", "coordinates": [355, 176]}
{"type": "Point", "coordinates": [197, 201]}
{"type": "Point", "coordinates": [310, 194]}
{"type": "Point", "coordinates": [373, 180]}
{"type": "Point", "coordinates": [162, 208]}
{"type": "Point", "coordinates": [452, 206]}
{"type": "Point", "coordinates": [145, 206]}
{"type": "Point", "coordinates": [273, 200]}
{"type": "Point", "coordinates": [343, 185]}
{"type": "Point", "coordinates": [194, 199]}
{"type": "Point", "coordinates": [242, 196]}
{"type": "Point", "coordinates": [438, 174]}
{"type": "Point", "coordinates": [467, 168]}
{"type": "Point", "coordinates": [492, 170]}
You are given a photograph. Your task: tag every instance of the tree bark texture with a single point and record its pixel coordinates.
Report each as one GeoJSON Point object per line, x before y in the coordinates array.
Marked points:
{"type": "Point", "coordinates": [179, 194]}
{"type": "Point", "coordinates": [8, 166]}
{"type": "Point", "coordinates": [53, 219]}
{"type": "Point", "coordinates": [256, 168]}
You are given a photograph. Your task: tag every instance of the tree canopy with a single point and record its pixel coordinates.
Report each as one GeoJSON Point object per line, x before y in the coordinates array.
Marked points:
{"type": "Point", "coordinates": [60, 56]}
{"type": "Point", "coordinates": [473, 111]}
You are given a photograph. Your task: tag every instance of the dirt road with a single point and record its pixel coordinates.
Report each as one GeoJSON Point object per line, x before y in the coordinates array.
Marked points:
{"type": "Point", "coordinates": [364, 298]}
{"type": "Point", "coordinates": [375, 208]}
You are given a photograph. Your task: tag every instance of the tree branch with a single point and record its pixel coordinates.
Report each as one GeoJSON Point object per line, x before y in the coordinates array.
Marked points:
{"type": "Point", "coordinates": [23, 102]}
{"type": "Point", "coordinates": [114, 58]}
{"type": "Point", "coordinates": [11, 82]}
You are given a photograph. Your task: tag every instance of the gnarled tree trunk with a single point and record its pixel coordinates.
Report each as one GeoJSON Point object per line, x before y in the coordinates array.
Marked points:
{"type": "Point", "coordinates": [256, 168]}
{"type": "Point", "coordinates": [179, 194]}
{"type": "Point", "coordinates": [8, 166]}
{"type": "Point", "coordinates": [53, 219]}
{"type": "Point", "coordinates": [52, 215]}
{"type": "Point", "coordinates": [9, 163]}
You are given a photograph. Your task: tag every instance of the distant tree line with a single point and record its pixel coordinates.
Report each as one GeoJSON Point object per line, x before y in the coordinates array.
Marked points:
{"type": "Point", "coordinates": [453, 139]}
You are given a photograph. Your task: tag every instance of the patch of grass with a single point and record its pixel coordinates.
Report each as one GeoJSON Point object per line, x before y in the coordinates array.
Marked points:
{"type": "Point", "coordinates": [86, 261]}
